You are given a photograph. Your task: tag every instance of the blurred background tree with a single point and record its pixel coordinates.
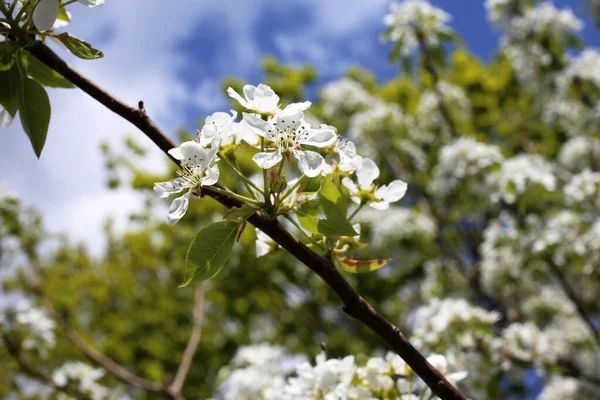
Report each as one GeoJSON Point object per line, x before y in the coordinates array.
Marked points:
{"type": "Point", "coordinates": [502, 161]}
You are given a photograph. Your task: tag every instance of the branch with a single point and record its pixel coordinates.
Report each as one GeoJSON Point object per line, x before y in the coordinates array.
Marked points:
{"type": "Point", "coordinates": [104, 361]}
{"type": "Point", "coordinates": [354, 304]}
{"type": "Point", "coordinates": [27, 369]}
{"type": "Point", "coordinates": [572, 295]}
{"type": "Point", "coordinates": [188, 354]}
{"type": "Point", "coordinates": [428, 65]}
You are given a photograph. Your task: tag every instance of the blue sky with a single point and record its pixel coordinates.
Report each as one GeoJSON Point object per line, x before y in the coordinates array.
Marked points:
{"type": "Point", "coordinates": [173, 55]}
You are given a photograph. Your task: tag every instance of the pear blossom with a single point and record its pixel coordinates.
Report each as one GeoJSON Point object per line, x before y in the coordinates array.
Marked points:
{"type": "Point", "coordinates": [222, 127]}
{"type": "Point", "coordinates": [5, 118]}
{"type": "Point", "coordinates": [343, 159]}
{"type": "Point", "coordinates": [378, 198]}
{"type": "Point", "coordinates": [289, 132]}
{"type": "Point", "coordinates": [197, 170]}
{"type": "Point", "coordinates": [46, 13]}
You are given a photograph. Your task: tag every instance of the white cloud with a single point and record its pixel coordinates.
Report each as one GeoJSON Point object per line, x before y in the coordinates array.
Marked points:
{"type": "Point", "coordinates": [142, 61]}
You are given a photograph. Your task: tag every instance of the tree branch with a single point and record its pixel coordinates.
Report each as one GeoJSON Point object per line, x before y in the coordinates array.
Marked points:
{"type": "Point", "coordinates": [572, 295]}
{"type": "Point", "coordinates": [188, 354]}
{"type": "Point", "coordinates": [94, 355]}
{"type": "Point", "coordinates": [15, 352]}
{"type": "Point", "coordinates": [354, 304]}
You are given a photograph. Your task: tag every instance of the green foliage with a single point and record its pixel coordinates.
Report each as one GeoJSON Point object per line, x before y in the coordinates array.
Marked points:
{"type": "Point", "coordinates": [79, 47]}
{"type": "Point", "coordinates": [34, 112]}
{"type": "Point", "coordinates": [42, 73]}
{"type": "Point", "coordinates": [209, 251]}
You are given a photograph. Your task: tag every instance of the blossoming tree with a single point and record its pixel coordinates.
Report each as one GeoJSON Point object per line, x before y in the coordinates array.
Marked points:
{"type": "Point", "coordinates": [461, 199]}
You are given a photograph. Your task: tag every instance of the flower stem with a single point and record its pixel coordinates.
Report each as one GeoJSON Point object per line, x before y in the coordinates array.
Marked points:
{"type": "Point", "coordinates": [267, 190]}
{"type": "Point", "coordinates": [231, 194]}
{"type": "Point", "coordinates": [308, 236]}
{"type": "Point", "coordinates": [290, 190]}
{"type": "Point", "coordinates": [247, 182]}
{"type": "Point", "coordinates": [356, 210]}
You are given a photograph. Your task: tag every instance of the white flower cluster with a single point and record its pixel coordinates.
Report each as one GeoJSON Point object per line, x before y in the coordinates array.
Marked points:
{"type": "Point", "coordinates": [284, 134]}
{"type": "Point", "coordinates": [525, 342]}
{"type": "Point", "coordinates": [563, 388]}
{"type": "Point", "coordinates": [461, 159]}
{"type": "Point", "coordinates": [580, 153]}
{"type": "Point", "coordinates": [344, 96]}
{"type": "Point", "coordinates": [584, 187]}
{"type": "Point", "coordinates": [519, 174]}
{"type": "Point", "coordinates": [429, 115]}
{"type": "Point", "coordinates": [586, 67]}
{"type": "Point", "coordinates": [450, 321]}
{"type": "Point", "coordinates": [502, 256]}
{"type": "Point", "coordinates": [546, 19]}
{"type": "Point", "coordinates": [399, 223]}
{"type": "Point", "coordinates": [501, 10]}
{"type": "Point", "coordinates": [84, 376]}
{"type": "Point", "coordinates": [36, 328]}
{"type": "Point", "coordinates": [406, 17]}
{"type": "Point", "coordinates": [267, 378]}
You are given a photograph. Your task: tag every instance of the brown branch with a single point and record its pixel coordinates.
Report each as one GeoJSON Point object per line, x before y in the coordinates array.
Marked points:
{"type": "Point", "coordinates": [572, 295]}
{"type": "Point", "coordinates": [429, 67]}
{"type": "Point", "coordinates": [15, 352]}
{"type": "Point", "coordinates": [354, 304]}
{"type": "Point", "coordinates": [188, 354]}
{"type": "Point", "coordinates": [94, 355]}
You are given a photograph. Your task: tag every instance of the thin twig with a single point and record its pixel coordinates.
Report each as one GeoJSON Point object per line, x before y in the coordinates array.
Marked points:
{"type": "Point", "coordinates": [354, 305]}
{"type": "Point", "coordinates": [94, 355]}
{"type": "Point", "coordinates": [572, 295]}
{"type": "Point", "coordinates": [188, 354]}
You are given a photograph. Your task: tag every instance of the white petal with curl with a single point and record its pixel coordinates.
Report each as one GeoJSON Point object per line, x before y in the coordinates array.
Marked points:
{"type": "Point", "coordinates": [392, 192]}
{"type": "Point", "coordinates": [178, 208]}
{"type": "Point", "coordinates": [235, 95]}
{"type": "Point", "coordinates": [322, 137]}
{"type": "Point", "coordinates": [267, 160]}
{"type": "Point", "coordinates": [309, 162]}
{"type": "Point", "coordinates": [165, 189]}
{"type": "Point", "coordinates": [367, 173]}
{"type": "Point", "coordinates": [45, 14]}
{"type": "Point", "coordinates": [349, 183]}
{"type": "Point", "coordinates": [92, 3]}
{"type": "Point", "coordinates": [211, 177]}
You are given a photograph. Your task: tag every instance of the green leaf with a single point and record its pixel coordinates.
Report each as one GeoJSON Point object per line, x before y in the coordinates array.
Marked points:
{"type": "Point", "coordinates": [63, 15]}
{"type": "Point", "coordinates": [43, 74]}
{"type": "Point", "coordinates": [7, 58]}
{"type": "Point", "coordinates": [359, 266]}
{"type": "Point", "coordinates": [307, 216]}
{"type": "Point", "coordinates": [34, 112]}
{"type": "Point", "coordinates": [9, 84]}
{"type": "Point", "coordinates": [209, 251]}
{"type": "Point", "coordinates": [79, 48]}
{"type": "Point", "coordinates": [334, 208]}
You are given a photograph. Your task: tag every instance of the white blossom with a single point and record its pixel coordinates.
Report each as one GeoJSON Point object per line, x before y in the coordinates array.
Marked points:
{"type": "Point", "coordinates": [344, 96]}
{"type": "Point", "coordinates": [288, 132]}
{"type": "Point", "coordinates": [37, 326]}
{"type": "Point", "coordinates": [405, 17]}
{"type": "Point", "coordinates": [84, 376]}
{"type": "Point", "coordinates": [264, 244]}
{"type": "Point", "coordinates": [262, 99]}
{"type": "Point", "coordinates": [197, 170]}
{"type": "Point", "coordinates": [343, 158]}
{"type": "Point", "coordinates": [521, 172]}
{"type": "Point", "coordinates": [583, 186]}
{"type": "Point", "coordinates": [580, 153]}
{"type": "Point", "coordinates": [366, 192]}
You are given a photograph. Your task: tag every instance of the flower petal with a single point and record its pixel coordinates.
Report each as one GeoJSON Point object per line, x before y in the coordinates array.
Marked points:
{"type": "Point", "coordinates": [178, 208]}
{"type": "Point", "coordinates": [243, 131]}
{"type": "Point", "coordinates": [267, 160]}
{"type": "Point", "coordinates": [176, 153]}
{"type": "Point", "coordinates": [309, 162]}
{"type": "Point", "coordinates": [45, 14]}
{"type": "Point", "coordinates": [392, 192]}
{"type": "Point", "coordinates": [265, 99]}
{"type": "Point", "coordinates": [92, 3]}
{"type": "Point", "coordinates": [211, 177]}
{"type": "Point", "coordinates": [289, 117]}
{"type": "Point", "coordinates": [349, 183]}
{"type": "Point", "coordinates": [301, 106]}
{"type": "Point", "coordinates": [322, 137]}
{"type": "Point", "coordinates": [380, 205]}
{"type": "Point", "coordinates": [165, 189]}
{"type": "Point", "coordinates": [5, 118]}
{"type": "Point", "coordinates": [235, 95]}
{"type": "Point", "coordinates": [367, 173]}
{"type": "Point", "coordinates": [262, 127]}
